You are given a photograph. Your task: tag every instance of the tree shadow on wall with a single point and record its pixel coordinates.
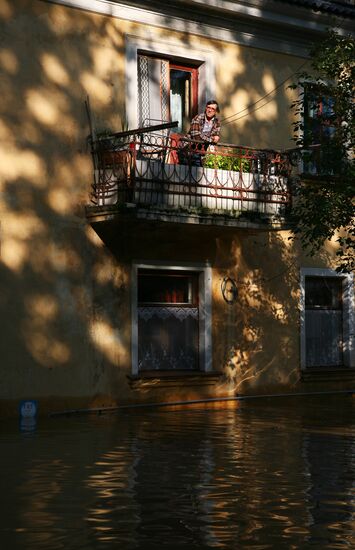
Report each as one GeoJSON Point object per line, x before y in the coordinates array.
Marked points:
{"type": "Point", "coordinates": [258, 344]}
{"type": "Point", "coordinates": [62, 289]}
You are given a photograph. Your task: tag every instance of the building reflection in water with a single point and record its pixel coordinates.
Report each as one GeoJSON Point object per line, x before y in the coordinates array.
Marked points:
{"type": "Point", "coordinates": [330, 459]}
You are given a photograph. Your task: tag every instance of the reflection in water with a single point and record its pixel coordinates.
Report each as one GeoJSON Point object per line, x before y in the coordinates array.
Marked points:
{"type": "Point", "coordinates": [263, 476]}
{"type": "Point", "coordinates": [331, 496]}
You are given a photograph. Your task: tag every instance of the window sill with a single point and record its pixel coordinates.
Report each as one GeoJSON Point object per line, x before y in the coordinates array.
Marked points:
{"type": "Point", "coordinates": [173, 379]}
{"type": "Point", "coordinates": [313, 374]}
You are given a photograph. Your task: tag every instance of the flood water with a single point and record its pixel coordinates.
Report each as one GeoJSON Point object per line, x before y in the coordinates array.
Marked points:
{"type": "Point", "coordinates": [270, 474]}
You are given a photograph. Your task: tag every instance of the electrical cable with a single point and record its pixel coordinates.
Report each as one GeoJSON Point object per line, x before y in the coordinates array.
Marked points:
{"type": "Point", "coordinates": [261, 99]}
{"type": "Point", "coordinates": [269, 93]}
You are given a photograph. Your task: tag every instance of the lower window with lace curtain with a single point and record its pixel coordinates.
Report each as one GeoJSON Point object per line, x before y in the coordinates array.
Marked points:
{"type": "Point", "coordinates": [168, 320]}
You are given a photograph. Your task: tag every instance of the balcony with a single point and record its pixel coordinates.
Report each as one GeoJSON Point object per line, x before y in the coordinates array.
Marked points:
{"type": "Point", "coordinates": [164, 176]}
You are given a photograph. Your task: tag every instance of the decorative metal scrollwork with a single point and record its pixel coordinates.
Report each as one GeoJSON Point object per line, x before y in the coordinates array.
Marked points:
{"type": "Point", "coordinates": [229, 290]}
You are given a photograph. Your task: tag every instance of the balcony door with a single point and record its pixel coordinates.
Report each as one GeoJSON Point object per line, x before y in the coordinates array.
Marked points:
{"type": "Point", "coordinates": [168, 320]}
{"type": "Point", "coordinates": [167, 91]}
{"type": "Point", "coordinates": [183, 95]}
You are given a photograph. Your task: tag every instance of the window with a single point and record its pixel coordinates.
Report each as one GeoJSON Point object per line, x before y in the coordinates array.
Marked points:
{"type": "Point", "coordinates": [319, 118]}
{"type": "Point", "coordinates": [183, 95]}
{"type": "Point", "coordinates": [167, 288]}
{"type": "Point", "coordinates": [171, 318]}
{"type": "Point", "coordinates": [168, 320]}
{"type": "Point", "coordinates": [327, 304]}
{"type": "Point", "coordinates": [174, 53]}
{"type": "Point", "coordinates": [167, 91]}
{"type": "Point", "coordinates": [324, 321]}
{"type": "Point", "coordinates": [319, 128]}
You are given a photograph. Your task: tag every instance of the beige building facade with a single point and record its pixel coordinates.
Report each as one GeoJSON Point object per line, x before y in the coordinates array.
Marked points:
{"type": "Point", "coordinates": [136, 300]}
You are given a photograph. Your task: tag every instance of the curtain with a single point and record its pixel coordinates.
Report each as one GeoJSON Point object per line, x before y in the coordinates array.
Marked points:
{"type": "Point", "coordinates": [153, 87]}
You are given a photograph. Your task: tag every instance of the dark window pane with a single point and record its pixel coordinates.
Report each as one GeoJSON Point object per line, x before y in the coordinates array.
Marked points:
{"type": "Point", "coordinates": [319, 117]}
{"type": "Point", "coordinates": [323, 292]}
{"type": "Point", "coordinates": [162, 288]}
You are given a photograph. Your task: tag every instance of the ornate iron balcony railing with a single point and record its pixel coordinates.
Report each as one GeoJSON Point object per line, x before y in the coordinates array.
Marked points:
{"type": "Point", "coordinates": [156, 169]}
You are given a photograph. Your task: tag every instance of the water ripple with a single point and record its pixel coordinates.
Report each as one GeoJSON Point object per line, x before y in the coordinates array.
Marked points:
{"type": "Point", "coordinates": [259, 477]}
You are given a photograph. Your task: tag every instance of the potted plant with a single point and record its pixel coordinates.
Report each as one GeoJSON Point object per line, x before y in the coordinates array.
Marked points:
{"type": "Point", "coordinates": [110, 146]}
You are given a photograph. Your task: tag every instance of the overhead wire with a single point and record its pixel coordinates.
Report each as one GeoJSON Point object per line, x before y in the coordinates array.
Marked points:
{"type": "Point", "coordinates": [341, 19]}
{"type": "Point", "coordinates": [261, 99]}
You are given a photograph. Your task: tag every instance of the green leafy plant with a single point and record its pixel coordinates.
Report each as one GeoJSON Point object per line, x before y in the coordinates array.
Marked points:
{"type": "Point", "coordinates": [224, 162]}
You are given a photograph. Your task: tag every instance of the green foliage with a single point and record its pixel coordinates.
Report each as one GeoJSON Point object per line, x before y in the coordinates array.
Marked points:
{"type": "Point", "coordinates": [324, 205]}
{"type": "Point", "coordinates": [323, 209]}
{"type": "Point", "coordinates": [224, 162]}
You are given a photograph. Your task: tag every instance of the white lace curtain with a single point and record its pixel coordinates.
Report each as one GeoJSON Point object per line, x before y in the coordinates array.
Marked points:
{"type": "Point", "coordinates": [153, 90]}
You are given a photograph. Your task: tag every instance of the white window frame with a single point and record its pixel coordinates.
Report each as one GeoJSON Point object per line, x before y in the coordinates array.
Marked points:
{"type": "Point", "coordinates": [348, 312]}
{"type": "Point", "coordinates": [205, 309]}
{"type": "Point", "coordinates": [170, 50]}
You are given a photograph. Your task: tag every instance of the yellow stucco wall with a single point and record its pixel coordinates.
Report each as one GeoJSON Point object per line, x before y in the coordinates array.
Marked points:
{"type": "Point", "coordinates": [65, 297]}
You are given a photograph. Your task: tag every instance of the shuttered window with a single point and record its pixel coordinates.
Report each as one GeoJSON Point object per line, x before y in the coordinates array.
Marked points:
{"type": "Point", "coordinates": [324, 321]}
